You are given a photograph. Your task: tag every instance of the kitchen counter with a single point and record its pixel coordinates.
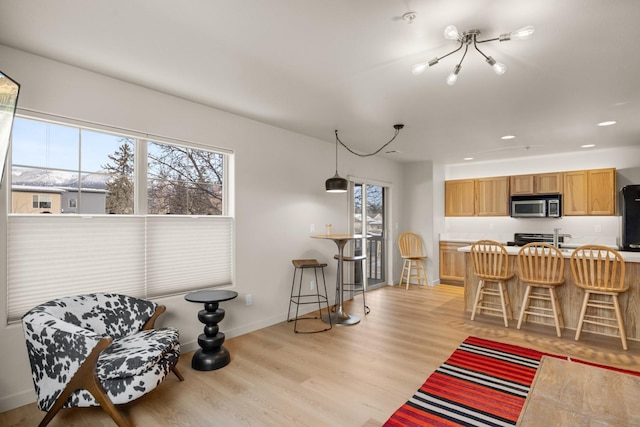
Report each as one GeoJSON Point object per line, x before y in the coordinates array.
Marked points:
{"type": "Point", "coordinates": [569, 294]}
{"type": "Point", "coordinates": [572, 242]}
{"type": "Point", "coordinates": [567, 250]}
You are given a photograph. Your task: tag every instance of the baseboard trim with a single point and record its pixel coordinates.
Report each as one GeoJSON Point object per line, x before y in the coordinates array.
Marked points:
{"type": "Point", "coordinates": [17, 400]}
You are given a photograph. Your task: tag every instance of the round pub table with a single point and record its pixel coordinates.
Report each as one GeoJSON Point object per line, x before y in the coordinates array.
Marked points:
{"type": "Point", "coordinates": [340, 316]}
{"type": "Point", "coordinates": [211, 355]}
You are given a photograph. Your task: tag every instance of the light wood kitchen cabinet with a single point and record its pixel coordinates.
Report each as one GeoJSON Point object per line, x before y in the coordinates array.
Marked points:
{"type": "Point", "coordinates": [451, 263]}
{"type": "Point", "coordinates": [548, 183]}
{"type": "Point", "coordinates": [522, 184]}
{"type": "Point", "coordinates": [459, 197]}
{"type": "Point", "coordinates": [492, 196]}
{"type": "Point", "coordinates": [544, 183]}
{"type": "Point", "coordinates": [574, 198]}
{"type": "Point", "coordinates": [602, 192]}
{"type": "Point", "coordinates": [589, 192]}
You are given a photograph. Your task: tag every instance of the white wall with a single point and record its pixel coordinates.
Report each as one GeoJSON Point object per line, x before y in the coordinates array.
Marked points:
{"type": "Point", "coordinates": [419, 211]}
{"type": "Point", "coordinates": [279, 185]}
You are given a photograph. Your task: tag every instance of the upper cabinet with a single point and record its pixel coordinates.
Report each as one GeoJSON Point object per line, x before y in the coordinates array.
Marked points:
{"type": "Point", "coordinates": [545, 183]}
{"type": "Point", "coordinates": [589, 192]}
{"type": "Point", "coordinates": [574, 199]}
{"type": "Point", "coordinates": [477, 197]}
{"type": "Point", "coordinates": [493, 196]}
{"type": "Point", "coordinates": [602, 192]}
{"type": "Point", "coordinates": [459, 197]}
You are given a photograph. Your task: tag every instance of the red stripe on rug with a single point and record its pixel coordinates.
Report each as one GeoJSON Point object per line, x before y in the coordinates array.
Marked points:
{"type": "Point", "coordinates": [491, 366]}
{"type": "Point", "coordinates": [475, 396]}
{"type": "Point", "coordinates": [408, 416]}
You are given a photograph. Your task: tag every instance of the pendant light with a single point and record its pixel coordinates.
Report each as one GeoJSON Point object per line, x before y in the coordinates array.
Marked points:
{"type": "Point", "coordinates": [336, 184]}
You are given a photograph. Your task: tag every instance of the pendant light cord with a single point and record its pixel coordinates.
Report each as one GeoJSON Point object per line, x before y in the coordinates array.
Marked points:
{"type": "Point", "coordinates": [396, 127]}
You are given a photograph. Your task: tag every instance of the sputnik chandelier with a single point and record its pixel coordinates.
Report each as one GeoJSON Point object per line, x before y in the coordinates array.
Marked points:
{"type": "Point", "coordinates": [471, 37]}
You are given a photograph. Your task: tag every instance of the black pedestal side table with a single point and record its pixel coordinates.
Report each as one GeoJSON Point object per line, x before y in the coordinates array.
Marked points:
{"type": "Point", "coordinates": [212, 355]}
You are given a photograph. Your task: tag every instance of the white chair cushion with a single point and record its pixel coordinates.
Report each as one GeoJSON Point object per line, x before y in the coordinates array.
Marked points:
{"type": "Point", "coordinates": [136, 353]}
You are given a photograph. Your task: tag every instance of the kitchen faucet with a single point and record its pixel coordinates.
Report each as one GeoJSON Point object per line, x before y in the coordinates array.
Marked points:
{"type": "Point", "coordinates": [556, 237]}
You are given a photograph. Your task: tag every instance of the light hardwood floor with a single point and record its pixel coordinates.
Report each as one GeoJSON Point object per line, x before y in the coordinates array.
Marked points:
{"type": "Point", "coordinates": [348, 376]}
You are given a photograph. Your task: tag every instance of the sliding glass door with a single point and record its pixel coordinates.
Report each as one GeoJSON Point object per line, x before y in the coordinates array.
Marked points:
{"type": "Point", "coordinates": [369, 219]}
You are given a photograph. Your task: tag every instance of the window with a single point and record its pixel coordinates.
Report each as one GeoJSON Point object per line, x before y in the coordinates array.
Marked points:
{"type": "Point", "coordinates": [184, 180]}
{"type": "Point", "coordinates": [55, 157]}
{"type": "Point", "coordinates": [113, 235]}
{"type": "Point", "coordinates": [41, 201]}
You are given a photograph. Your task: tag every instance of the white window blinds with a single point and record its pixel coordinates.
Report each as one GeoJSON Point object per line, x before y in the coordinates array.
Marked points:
{"type": "Point", "coordinates": [185, 253]}
{"type": "Point", "coordinates": [55, 255]}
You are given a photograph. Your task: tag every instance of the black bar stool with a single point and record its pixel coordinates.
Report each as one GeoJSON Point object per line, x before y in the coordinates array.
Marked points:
{"type": "Point", "coordinates": [356, 287]}
{"type": "Point", "coordinates": [310, 298]}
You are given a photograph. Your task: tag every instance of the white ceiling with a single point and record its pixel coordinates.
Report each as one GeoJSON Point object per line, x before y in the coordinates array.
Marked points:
{"type": "Point", "coordinates": [315, 66]}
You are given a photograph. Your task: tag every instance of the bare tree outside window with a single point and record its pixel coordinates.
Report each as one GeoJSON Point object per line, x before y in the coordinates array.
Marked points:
{"type": "Point", "coordinates": [184, 181]}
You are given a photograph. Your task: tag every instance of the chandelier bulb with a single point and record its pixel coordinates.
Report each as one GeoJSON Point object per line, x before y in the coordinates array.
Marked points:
{"type": "Point", "coordinates": [419, 68]}
{"type": "Point", "coordinates": [523, 33]}
{"type": "Point", "coordinates": [451, 33]}
{"type": "Point", "coordinates": [453, 77]}
{"type": "Point", "coordinates": [498, 67]}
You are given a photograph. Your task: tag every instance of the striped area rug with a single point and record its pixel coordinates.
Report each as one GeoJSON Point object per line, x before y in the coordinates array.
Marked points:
{"type": "Point", "coordinates": [483, 383]}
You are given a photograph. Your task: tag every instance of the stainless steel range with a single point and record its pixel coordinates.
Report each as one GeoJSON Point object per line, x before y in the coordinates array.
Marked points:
{"type": "Point", "coordinates": [521, 239]}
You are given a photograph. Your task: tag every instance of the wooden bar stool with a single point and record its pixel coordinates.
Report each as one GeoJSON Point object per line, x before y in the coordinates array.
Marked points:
{"type": "Point", "coordinates": [310, 298]}
{"type": "Point", "coordinates": [491, 265]}
{"type": "Point", "coordinates": [412, 252]}
{"type": "Point", "coordinates": [541, 268]}
{"type": "Point", "coordinates": [599, 270]}
{"type": "Point", "coordinates": [355, 286]}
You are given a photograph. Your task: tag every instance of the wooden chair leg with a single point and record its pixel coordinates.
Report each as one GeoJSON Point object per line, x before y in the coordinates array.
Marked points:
{"type": "Point", "coordinates": [83, 379]}
{"type": "Point", "coordinates": [623, 335]}
{"type": "Point", "coordinates": [100, 395]}
{"type": "Point", "coordinates": [177, 372]}
{"type": "Point", "coordinates": [404, 268]}
{"type": "Point", "coordinates": [503, 301]}
{"type": "Point", "coordinates": [508, 299]}
{"type": "Point", "coordinates": [407, 277]}
{"type": "Point", "coordinates": [477, 300]}
{"type": "Point", "coordinates": [555, 306]}
{"type": "Point", "coordinates": [583, 310]}
{"type": "Point", "coordinates": [525, 307]}
{"type": "Point", "coordinates": [423, 271]}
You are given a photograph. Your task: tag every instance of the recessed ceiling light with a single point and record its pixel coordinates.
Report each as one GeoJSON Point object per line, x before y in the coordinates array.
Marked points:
{"type": "Point", "coordinates": [607, 123]}
{"type": "Point", "coordinates": [588, 146]}
{"type": "Point", "coordinates": [468, 158]}
{"type": "Point", "coordinates": [507, 137]}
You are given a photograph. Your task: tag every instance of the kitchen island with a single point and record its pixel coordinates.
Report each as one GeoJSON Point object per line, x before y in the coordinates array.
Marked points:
{"type": "Point", "coordinates": [569, 294]}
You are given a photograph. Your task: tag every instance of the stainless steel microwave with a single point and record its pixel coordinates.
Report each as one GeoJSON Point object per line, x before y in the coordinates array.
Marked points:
{"type": "Point", "coordinates": [548, 206]}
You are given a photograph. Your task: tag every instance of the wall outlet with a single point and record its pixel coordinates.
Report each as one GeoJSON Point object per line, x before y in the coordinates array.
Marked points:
{"type": "Point", "coordinates": [248, 299]}
{"type": "Point", "coordinates": [312, 229]}
{"type": "Point", "coordinates": [598, 228]}
{"type": "Point", "coordinates": [312, 285]}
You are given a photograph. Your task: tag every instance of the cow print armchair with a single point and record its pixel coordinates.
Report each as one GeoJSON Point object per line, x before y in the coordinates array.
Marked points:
{"type": "Point", "coordinates": [97, 349]}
